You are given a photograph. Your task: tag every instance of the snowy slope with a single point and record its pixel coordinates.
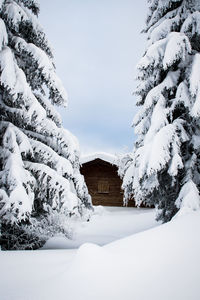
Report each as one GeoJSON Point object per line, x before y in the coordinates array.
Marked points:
{"type": "Point", "coordinates": [158, 264]}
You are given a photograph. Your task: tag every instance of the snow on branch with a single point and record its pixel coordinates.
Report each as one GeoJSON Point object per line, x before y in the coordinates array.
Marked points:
{"type": "Point", "coordinates": [194, 79]}
{"type": "Point", "coordinates": [33, 5]}
{"type": "Point", "coordinates": [54, 185]}
{"type": "Point", "coordinates": [14, 80]}
{"type": "Point", "coordinates": [161, 31]}
{"type": "Point", "coordinates": [188, 199]}
{"type": "Point", "coordinates": [46, 67]}
{"type": "Point", "coordinates": [159, 11]}
{"type": "Point", "coordinates": [192, 23]}
{"type": "Point", "coordinates": [4, 35]}
{"type": "Point", "coordinates": [18, 16]}
{"type": "Point", "coordinates": [155, 154]}
{"type": "Point", "coordinates": [181, 48]}
{"type": "Point", "coordinates": [44, 154]}
{"type": "Point", "coordinates": [21, 139]}
{"type": "Point", "coordinates": [50, 110]}
{"type": "Point", "coordinates": [16, 193]}
{"type": "Point", "coordinates": [161, 54]}
{"type": "Point", "coordinates": [58, 139]}
{"type": "Point", "coordinates": [141, 120]}
{"type": "Point", "coordinates": [14, 15]}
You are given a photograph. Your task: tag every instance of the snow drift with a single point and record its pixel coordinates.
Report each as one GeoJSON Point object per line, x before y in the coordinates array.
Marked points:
{"type": "Point", "coordinates": [160, 263]}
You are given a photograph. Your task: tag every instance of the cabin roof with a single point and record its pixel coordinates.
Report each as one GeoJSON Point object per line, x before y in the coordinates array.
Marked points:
{"type": "Point", "coordinates": [110, 158]}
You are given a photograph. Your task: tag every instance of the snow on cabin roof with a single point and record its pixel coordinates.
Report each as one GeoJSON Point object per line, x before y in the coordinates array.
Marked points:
{"type": "Point", "coordinates": [110, 158]}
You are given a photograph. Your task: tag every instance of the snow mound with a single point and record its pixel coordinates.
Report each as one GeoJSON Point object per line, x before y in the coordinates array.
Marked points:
{"type": "Point", "coordinates": [88, 251]}
{"type": "Point", "coordinates": [160, 263]}
{"type": "Point", "coordinates": [99, 210]}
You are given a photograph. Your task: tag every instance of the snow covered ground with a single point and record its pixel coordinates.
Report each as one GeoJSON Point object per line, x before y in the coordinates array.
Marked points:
{"type": "Point", "coordinates": [107, 225]}
{"type": "Point", "coordinates": [161, 263]}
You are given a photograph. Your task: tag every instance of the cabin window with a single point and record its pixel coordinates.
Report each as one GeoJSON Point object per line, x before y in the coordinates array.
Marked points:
{"type": "Point", "coordinates": [103, 187]}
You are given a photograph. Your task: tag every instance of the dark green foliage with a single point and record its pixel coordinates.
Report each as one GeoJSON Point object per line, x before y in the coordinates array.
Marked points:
{"type": "Point", "coordinates": [16, 237]}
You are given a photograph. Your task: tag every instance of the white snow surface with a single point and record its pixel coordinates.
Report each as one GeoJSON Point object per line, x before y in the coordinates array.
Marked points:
{"type": "Point", "coordinates": [110, 158]}
{"type": "Point", "coordinates": [158, 264]}
{"type": "Point", "coordinates": [106, 225]}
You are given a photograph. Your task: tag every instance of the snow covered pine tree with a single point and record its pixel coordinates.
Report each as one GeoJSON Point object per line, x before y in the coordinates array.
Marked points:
{"type": "Point", "coordinates": [39, 166]}
{"type": "Point", "coordinates": [164, 169]}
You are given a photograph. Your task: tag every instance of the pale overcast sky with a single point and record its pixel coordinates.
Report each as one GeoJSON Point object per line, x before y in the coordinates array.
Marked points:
{"type": "Point", "coordinates": [97, 44]}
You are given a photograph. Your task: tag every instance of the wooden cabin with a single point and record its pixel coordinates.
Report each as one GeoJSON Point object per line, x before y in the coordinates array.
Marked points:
{"type": "Point", "coordinates": [103, 182]}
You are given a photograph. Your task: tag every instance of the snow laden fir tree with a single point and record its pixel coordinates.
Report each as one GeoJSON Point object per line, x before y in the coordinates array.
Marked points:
{"type": "Point", "coordinates": [40, 180]}
{"type": "Point", "coordinates": [164, 169]}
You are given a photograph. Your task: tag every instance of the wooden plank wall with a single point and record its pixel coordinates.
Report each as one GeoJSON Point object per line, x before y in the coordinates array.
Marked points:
{"type": "Point", "coordinates": [97, 171]}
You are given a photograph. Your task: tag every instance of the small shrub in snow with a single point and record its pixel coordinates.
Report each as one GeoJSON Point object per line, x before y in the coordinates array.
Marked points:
{"type": "Point", "coordinates": [19, 237]}
{"type": "Point", "coordinates": [51, 223]}
{"type": "Point", "coordinates": [34, 233]}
